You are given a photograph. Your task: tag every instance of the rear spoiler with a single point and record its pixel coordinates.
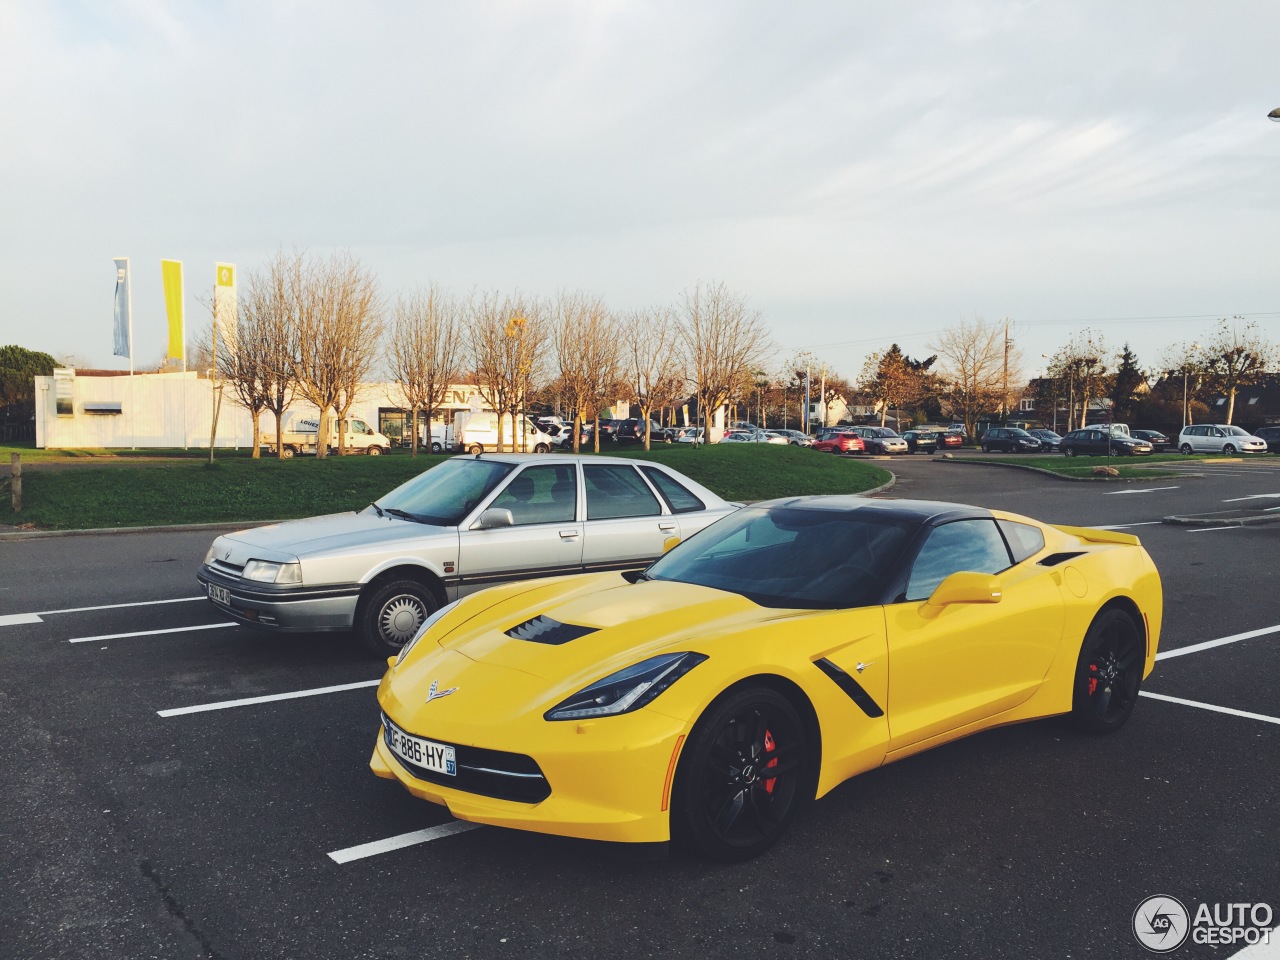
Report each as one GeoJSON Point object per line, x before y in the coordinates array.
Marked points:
{"type": "Point", "coordinates": [1094, 535]}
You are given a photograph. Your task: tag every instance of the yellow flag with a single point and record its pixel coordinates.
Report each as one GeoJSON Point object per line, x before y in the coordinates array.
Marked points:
{"type": "Point", "coordinates": [224, 304]}
{"type": "Point", "coordinates": [171, 273]}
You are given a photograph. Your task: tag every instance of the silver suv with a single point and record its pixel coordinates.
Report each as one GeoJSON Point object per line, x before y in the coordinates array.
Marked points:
{"type": "Point", "coordinates": [1219, 438]}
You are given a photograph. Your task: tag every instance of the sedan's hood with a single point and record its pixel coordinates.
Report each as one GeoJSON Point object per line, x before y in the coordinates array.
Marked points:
{"type": "Point", "coordinates": [315, 536]}
{"type": "Point", "coordinates": [579, 627]}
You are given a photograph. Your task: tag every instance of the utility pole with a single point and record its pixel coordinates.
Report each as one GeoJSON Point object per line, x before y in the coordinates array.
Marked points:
{"type": "Point", "coordinates": [1004, 396]}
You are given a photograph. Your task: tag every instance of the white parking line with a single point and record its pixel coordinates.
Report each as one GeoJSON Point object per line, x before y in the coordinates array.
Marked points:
{"type": "Point", "coordinates": [400, 842]}
{"type": "Point", "coordinates": [1125, 526]}
{"type": "Point", "coordinates": [1221, 641]}
{"type": "Point", "coordinates": [1112, 493]}
{"type": "Point", "coordinates": [1256, 496]}
{"type": "Point", "coordinates": [152, 633]}
{"type": "Point", "coordinates": [14, 619]}
{"type": "Point", "coordinates": [1209, 706]}
{"type": "Point", "coordinates": [269, 698]}
{"type": "Point", "coordinates": [1216, 529]}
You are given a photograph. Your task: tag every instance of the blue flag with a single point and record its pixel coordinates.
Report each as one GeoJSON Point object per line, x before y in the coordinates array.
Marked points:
{"type": "Point", "coordinates": [122, 308]}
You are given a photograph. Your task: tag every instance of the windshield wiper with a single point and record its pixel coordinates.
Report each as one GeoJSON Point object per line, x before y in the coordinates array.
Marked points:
{"type": "Point", "coordinates": [404, 515]}
{"type": "Point", "coordinates": [378, 508]}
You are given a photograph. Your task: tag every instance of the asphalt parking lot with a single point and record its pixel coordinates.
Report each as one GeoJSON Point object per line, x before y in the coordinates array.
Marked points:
{"type": "Point", "coordinates": [176, 786]}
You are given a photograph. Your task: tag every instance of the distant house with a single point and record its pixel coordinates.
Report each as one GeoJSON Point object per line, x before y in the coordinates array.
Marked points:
{"type": "Point", "coordinates": [1257, 405]}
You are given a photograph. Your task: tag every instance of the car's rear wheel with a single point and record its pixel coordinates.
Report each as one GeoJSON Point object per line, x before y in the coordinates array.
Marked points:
{"type": "Point", "coordinates": [286, 453]}
{"type": "Point", "coordinates": [1185, 449]}
{"type": "Point", "coordinates": [742, 776]}
{"type": "Point", "coordinates": [1108, 673]}
{"type": "Point", "coordinates": [390, 614]}
{"type": "Point", "coordinates": [436, 447]}
{"type": "Point", "coordinates": [541, 448]}
{"type": "Point", "coordinates": [475, 448]}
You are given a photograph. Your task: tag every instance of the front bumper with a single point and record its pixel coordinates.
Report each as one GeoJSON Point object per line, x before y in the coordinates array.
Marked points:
{"type": "Point", "coordinates": [608, 778]}
{"type": "Point", "coordinates": [267, 606]}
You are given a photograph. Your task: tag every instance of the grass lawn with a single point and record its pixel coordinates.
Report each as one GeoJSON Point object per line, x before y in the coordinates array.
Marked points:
{"type": "Point", "coordinates": [236, 488]}
{"type": "Point", "coordinates": [1083, 466]}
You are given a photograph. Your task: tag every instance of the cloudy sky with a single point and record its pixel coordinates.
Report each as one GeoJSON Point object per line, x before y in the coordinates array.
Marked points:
{"type": "Point", "coordinates": [862, 172]}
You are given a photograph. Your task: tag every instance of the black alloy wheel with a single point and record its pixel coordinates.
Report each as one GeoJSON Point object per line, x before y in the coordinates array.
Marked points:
{"type": "Point", "coordinates": [742, 776]}
{"type": "Point", "coordinates": [1108, 673]}
{"type": "Point", "coordinates": [390, 614]}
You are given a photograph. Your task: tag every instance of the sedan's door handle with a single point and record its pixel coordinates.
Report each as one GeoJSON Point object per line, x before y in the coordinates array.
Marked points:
{"type": "Point", "coordinates": [666, 526]}
{"type": "Point", "coordinates": [568, 534]}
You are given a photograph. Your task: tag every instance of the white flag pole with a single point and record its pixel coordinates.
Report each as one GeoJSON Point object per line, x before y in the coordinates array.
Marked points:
{"type": "Point", "coordinates": [133, 408]}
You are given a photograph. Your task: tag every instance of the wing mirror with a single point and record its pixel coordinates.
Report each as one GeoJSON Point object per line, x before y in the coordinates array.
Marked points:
{"type": "Point", "coordinates": [966, 587]}
{"type": "Point", "coordinates": [494, 517]}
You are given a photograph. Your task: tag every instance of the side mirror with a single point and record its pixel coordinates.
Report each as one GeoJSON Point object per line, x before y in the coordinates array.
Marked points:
{"type": "Point", "coordinates": [494, 517]}
{"type": "Point", "coordinates": [965, 587]}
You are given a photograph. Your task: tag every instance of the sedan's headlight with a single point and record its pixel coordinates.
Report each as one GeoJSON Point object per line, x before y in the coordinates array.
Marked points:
{"type": "Point", "coordinates": [209, 557]}
{"type": "Point", "coordinates": [267, 571]}
{"type": "Point", "coordinates": [427, 624]}
{"type": "Point", "coordinates": [628, 689]}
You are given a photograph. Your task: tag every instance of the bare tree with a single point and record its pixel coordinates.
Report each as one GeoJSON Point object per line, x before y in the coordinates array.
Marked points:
{"type": "Point", "coordinates": [1236, 356]}
{"type": "Point", "coordinates": [651, 361]}
{"type": "Point", "coordinates": [1082, 363]}
{"type": "Point", "coordinates": [972, 367]}
{"type": "Point", "coordinates": [724, 342]}
{"type": "Point", "coordinates": [587, 351]}
{"type": "Point", "coordinates": [268, 321]}
{"type": "Point", "coordinates": [424, 353]}
{"type": "Point", "coordinates": [338, 325]}
{"type": "Point", "coordinates": [244, 370]}
{"type": "Point", "coordinates": [507, 335]}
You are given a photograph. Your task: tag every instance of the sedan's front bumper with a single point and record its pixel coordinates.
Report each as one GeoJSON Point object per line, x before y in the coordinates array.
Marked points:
{"type": "Point", "coordinates": [286, 609]}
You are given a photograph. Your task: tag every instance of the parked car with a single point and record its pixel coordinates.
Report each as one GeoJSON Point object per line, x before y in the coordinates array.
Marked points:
{"type": "Point", "coordinates": [1219, 438]}
{"type": "Point", "coordinates": [921, 441]}
{"type": "Point", "coordinates": [1009, 440]}
{"type": "Point", "coordinates": [1272, 437]}
{"type": "Point", "coordinates": [1049, 441]}
{"type": "Point", "coordinates": [950, 439]}
{"type": "Point", "coordinates": [796, 438]}
{"type": "Point", "coordinates": [881, 440]}
{"type": "Point", "coordinates": [299, 436]}
{"type": "Point", "coordinates": [785, 649]}
{"type": "Point", "coordinates": [838, 441]}
{"type": "Point", "coordinates": [478, 432]}
{"type": "Point", "coordinates": [632, 431]}
{"type": "Point", "coordinates": [1097, 442]}
{"type": "Point", "coordinates": [471, 522]}
{"type": "Point", "coordinates": [1159, 442]}
{"type": "Point", "coordinates": [691, 435]}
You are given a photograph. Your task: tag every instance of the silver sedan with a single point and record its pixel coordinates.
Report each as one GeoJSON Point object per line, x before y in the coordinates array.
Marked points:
{"type": "Point", "coordinates": [467, 524]}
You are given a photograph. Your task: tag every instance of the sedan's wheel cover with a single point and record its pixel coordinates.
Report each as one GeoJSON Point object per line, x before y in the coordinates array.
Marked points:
{"type": "Point", "coordinates": [400, 618]}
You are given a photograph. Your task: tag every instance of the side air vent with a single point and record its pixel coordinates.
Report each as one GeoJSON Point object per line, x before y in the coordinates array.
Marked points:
{"type": "Point", "coordinates": [545, 630]}
{"type": "Point", "coordinates": [1053, 559]}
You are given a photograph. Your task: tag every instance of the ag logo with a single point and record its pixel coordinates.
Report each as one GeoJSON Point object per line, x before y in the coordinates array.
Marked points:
{"type": "Point", "coordinates": [1161, 923]}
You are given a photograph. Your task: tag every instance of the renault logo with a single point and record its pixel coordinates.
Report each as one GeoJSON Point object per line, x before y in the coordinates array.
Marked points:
{"type": "Point", "coordinates": [433, 695]}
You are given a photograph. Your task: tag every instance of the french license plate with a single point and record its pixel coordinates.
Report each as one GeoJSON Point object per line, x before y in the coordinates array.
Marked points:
{"type": "Point", "coordinates": [219, 594]}
{"type": "Point", "coordinates": [435, 757]}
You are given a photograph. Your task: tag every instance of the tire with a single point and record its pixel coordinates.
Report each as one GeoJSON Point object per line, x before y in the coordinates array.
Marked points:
{"type": "Point", "coordinates": [541, 448]}
{"type": "Point", "coordinates": [373, 451]}
{"type": "Point", "coordinates": [985, 448]}
{"type": "Point", "coordinates": [721, 805]}
{"type": "Point", "coordinates": [1108, 673]}
{"type": "Point", "coordinates": [1068, 451]}
{"type": "Point", "coordinates": [390, 614]}
{"type": "Point", "coordinates": [1229, 449]}
{"type": "Point", "coordinates": [475, 449]}
{"type": "Point", "coordinates": [1185, 450]}
{"type": "Point", "coordinates": [287, 453]}
{"type": "Point", "coordinates": [436, 447]}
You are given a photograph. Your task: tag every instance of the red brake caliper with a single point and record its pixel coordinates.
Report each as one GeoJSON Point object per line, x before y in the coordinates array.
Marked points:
{"type": "Point", "coordinates": [1093, 679]}
{"type": "Point", "coordinates": [769, 746]}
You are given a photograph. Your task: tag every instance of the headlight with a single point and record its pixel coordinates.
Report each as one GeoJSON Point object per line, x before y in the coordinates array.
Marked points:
{"type": "Point", "coordinates": [628, 689]}
{"type": "Point", "coordinates": [209, 557]}
{"type": "Point", "coordinates": [427, 624]}
{"type": "Point", "coordinates": [265, 571]}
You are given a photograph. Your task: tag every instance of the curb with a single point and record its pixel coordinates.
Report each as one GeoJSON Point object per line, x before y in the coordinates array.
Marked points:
{"type": "Point", "coordinates": [174, 528]}
{"type": "Point", "coordinates": [1049, 473]}
{"type": "Point", "coordinates": [893, 478]}
{"type": "Point", "coordinates": [1211, 521]}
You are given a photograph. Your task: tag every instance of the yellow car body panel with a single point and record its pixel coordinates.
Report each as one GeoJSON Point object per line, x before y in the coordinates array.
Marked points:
{"type": "Point", "coordinates": [935, 673]}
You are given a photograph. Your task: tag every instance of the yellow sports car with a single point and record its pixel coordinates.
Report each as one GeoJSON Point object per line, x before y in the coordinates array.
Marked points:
{"type": "Point", "coordinates": [760, 663]}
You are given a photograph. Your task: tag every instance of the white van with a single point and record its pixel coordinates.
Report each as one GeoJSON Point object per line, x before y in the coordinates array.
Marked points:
{"type": "Point", "coordinates": [478, 432]}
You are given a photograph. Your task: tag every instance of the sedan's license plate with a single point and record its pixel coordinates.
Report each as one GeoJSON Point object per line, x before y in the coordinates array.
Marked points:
{"type": "Point", "coordinates": [435, 757]}
{"type": "Point", "coordinates": [219, 594]}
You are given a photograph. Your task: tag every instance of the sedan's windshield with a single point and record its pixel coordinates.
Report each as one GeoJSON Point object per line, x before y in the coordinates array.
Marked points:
{"type": "Point", "coordinates": [447, 493]}
{"type": "Point", "coordinates": [797, 557]}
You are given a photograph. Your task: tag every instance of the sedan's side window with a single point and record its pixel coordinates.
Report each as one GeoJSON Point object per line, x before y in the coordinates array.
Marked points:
{"type": "Point", "coordinates": [541, 494]}
{"type": "Point", "coordinates": [678, 498]}
{"type": "Point", "coordinates": [970, 545]}
{"type": "Point", "coordinates": [617, 491]}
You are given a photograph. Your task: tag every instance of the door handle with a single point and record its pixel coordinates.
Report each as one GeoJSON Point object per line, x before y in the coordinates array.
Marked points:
{"type": "Point", "coordinates": [666, 526]}
{"type": "Point", "coordinates": [568, 534]}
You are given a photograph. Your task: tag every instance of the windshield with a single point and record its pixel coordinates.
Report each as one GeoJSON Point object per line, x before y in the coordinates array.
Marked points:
{"type": "Point", "coordinates": [793, 557]}
{"type": "Point", "coordinates": [447, 493]}
{"type": "Point", "coordinates": [1236, 432]}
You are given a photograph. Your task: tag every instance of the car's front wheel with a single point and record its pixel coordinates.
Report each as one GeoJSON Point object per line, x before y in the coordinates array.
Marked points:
{"type": "Point", "coordinates": [986, 448]}
{"type": "Point", "coordinates": [541, 448]}
{"type": "Point", "coordinates": [1108, 673]}
{"type": "Point", "coordinates": [390, 614]}
{"type": "Point", "coordinates": [1229, 449]}
{"type": "Point", "coordinates": [373, 451]}
{"type": "Point", "coordinates": [476, 449]}
{"type": "Point", "coordinates": [742, 776]}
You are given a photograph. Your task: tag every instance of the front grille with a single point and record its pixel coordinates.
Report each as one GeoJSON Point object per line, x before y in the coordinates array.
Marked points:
{"type": "Point", "coordinates": [489, 773]}
{"type": "Point", "coordinates": [231, 569]}
{"type": "Point", "coordinates": [542, 629]}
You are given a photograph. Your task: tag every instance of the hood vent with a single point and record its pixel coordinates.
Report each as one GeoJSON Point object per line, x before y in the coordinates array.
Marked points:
{"type": "Point", "coordinates": [545, 630]}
